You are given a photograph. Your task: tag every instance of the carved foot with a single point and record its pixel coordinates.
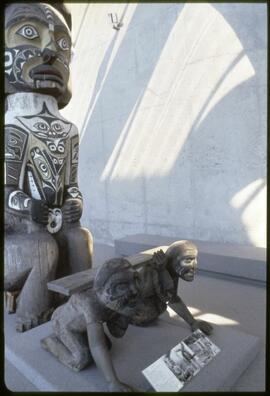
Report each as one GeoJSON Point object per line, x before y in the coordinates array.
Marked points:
{"type": "Point", "coordinates": [10, 301]}
{"type": "Point", "coordinates": [54, 345]}
{"type": "Point", "coordinates": [24, 324]}
{"type": "Point", "coordinates": [118, 386]}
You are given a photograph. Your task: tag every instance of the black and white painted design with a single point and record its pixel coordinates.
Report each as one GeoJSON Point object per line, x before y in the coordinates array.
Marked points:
{"type": "Point", "coordinates": [18, 200]}
{"type": "Point", "coordinates": [15, 147]}
{"type": "Point", "coordinates": [16, 58]}
{"type": "Point", "coordinates": [37, 50]}
{"type": "Point", "coordinates": [42, 154]}
{"type": "Point", "coordinates": [74, 192]}
{"type": "Point", "coordinates": [45, 125]}
{"type": "Point", "coordinates": [48, 152]}
{"type": "Point", "coordinates": [74, 159]}
{"type": "Point", "coordinates": [55, 220]}
{"type": "Point", "coordinates": [50, 17]}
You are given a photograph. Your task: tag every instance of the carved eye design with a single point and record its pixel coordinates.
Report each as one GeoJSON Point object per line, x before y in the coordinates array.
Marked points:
{"type": "Point", "coordinates": [41, 126]}
{"type": "Point", "coordinates": [12, 141]}
{"type": "Point", "coordinates": [15, 200]}
{"type": "Point", "coordinates": [61, 149]}
{"type": "Point", "coordinates": [28, 31]}
{"type": "Point", "coordinates": [63, 44]}
{"type": "Point", "coordinates": [52, 147]}
{"type": "Point", "coordinates": [43, 167]}
{"type": "Point", "coordinates": [56, 127]}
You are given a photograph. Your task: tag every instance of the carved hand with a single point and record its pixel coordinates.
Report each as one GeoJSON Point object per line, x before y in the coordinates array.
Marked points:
{"type": "Point", "coordinates": [118, 326]}
{"type": "Point", "coordinates": [118, 386]}
{"type": "Point", "coordinates": [202, 325]}
{"type": "Point", "coordinates": [72, 210]}
{"type": "Point", "coordinates": [160, 257]}
{"type": "Point", "coordinates": [39, 211]}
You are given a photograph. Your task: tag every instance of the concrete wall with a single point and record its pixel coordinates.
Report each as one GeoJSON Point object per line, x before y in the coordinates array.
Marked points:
{"type": "Point", "coordinates": [172, 114]}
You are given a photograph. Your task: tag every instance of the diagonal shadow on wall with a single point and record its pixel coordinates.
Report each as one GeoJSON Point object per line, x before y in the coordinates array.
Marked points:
{"type": "Point", "coordinates": [123, 78]}
{"type": "Point", "coordinates": [204, 173]}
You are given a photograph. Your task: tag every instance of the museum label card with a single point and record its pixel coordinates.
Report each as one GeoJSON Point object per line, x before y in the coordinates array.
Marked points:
{"type": "Point", "coordinates": [177, 367]}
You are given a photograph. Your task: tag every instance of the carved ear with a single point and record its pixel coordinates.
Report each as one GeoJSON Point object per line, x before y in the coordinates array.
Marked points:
{"type": "Point", "coordinates": [65, 98]}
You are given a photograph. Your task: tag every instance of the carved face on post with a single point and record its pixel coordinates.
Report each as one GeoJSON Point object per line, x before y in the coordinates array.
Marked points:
{"type": "Point", "coordinates": [118, 286]}
{"type": "Point", "coordinates": [183, 259]}
{"type": "Point", "coordinates": [37, 50]}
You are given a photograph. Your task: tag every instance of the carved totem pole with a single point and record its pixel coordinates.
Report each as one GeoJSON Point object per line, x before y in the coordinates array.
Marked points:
{"type": "Point", "coordinates": [43, 204]}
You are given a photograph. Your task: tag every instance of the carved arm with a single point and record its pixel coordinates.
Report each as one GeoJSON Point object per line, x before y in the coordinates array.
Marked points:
{"type": "Point", "coordinates": [17, 202]}
{"type": "Point", "coordinates": [182, 310]}
{"type": "Point", "coordinates": [102, 357]}
{"type": "Point", "coordinates": [73, 201]}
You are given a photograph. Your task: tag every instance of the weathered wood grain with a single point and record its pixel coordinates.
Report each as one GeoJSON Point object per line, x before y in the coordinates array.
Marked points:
{"type": "Point", "coordinates": [83, 280]}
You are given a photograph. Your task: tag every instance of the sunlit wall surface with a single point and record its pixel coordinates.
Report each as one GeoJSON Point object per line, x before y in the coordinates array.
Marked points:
{"type": "Point", "coordinates": [171, 110]}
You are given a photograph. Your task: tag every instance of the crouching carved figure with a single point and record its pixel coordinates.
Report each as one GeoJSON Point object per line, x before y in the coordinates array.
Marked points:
{"type": "Point", "coordinates": [43, 204]}
{"type": "Point", "coordinates": [121, 292]}
{"type": "Point", "coordinates": [79, 336]}
{"type": "Point", "coordinates": [160, 277]}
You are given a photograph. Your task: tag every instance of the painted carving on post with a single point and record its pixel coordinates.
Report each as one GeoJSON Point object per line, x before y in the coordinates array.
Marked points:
{"type": "Point", "coordinates": [43, 203]}
{"type": "Point", "coordinates": [119, 294]}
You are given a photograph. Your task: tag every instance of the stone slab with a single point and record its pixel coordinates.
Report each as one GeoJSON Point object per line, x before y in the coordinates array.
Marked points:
{"type": "Point", "coordinates": [131, 354]}
{"type": "Point", "coordinates": [239, 261]}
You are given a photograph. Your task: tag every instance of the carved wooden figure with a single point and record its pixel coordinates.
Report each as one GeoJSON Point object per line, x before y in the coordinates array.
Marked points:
{"type": "Point", "coordinates": [43, 204]}
{"type": "Point", "coordinates": [160, 275]}
{"type": "Point", "coordinates": [110, 297]}
{"type": "Point", "coordinates": [134, 290]}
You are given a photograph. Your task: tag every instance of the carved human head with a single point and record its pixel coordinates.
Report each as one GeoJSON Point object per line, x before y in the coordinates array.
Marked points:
{"type": "Point", "coordinates": [182, 259]}
{"type": "Point", "coordinates": [38, 49]}
{"type": "Point", "coordinates": [117, 286]}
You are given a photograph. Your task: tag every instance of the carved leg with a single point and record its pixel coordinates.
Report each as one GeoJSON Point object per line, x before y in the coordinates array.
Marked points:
{"type": "Point", "coordinates": [69, 348]}
{"type": "Point", "coordinates": [34, 304]}
{"type": "Point", "coordinates": [10, 301]}
{"type": "Point", "coordinates": [13, 283]}
{"type": "Point", "coordinates": [75, 249]}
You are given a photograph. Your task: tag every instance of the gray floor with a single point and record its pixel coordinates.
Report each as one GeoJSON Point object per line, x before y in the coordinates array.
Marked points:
{"type": "Point", "coordinates": [15, 381]}
{"type": "Point", "coordinates": [226, 303]}
{"type": "Point", "coordinates": [237, 306]}
{"type": "Point", "coordinates": [131, 354]}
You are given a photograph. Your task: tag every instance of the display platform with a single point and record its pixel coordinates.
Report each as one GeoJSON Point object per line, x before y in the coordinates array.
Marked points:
{"type": "Point", "coordinates": [136, 350]}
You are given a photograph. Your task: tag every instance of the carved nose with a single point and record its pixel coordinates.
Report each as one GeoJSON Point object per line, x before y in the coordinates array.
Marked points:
{"type": "Point", "coordinates": [48, 56]}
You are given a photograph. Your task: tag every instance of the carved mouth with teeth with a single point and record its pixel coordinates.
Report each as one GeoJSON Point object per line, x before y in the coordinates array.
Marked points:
{"type": "Point", "coordinates": [46, 73]}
